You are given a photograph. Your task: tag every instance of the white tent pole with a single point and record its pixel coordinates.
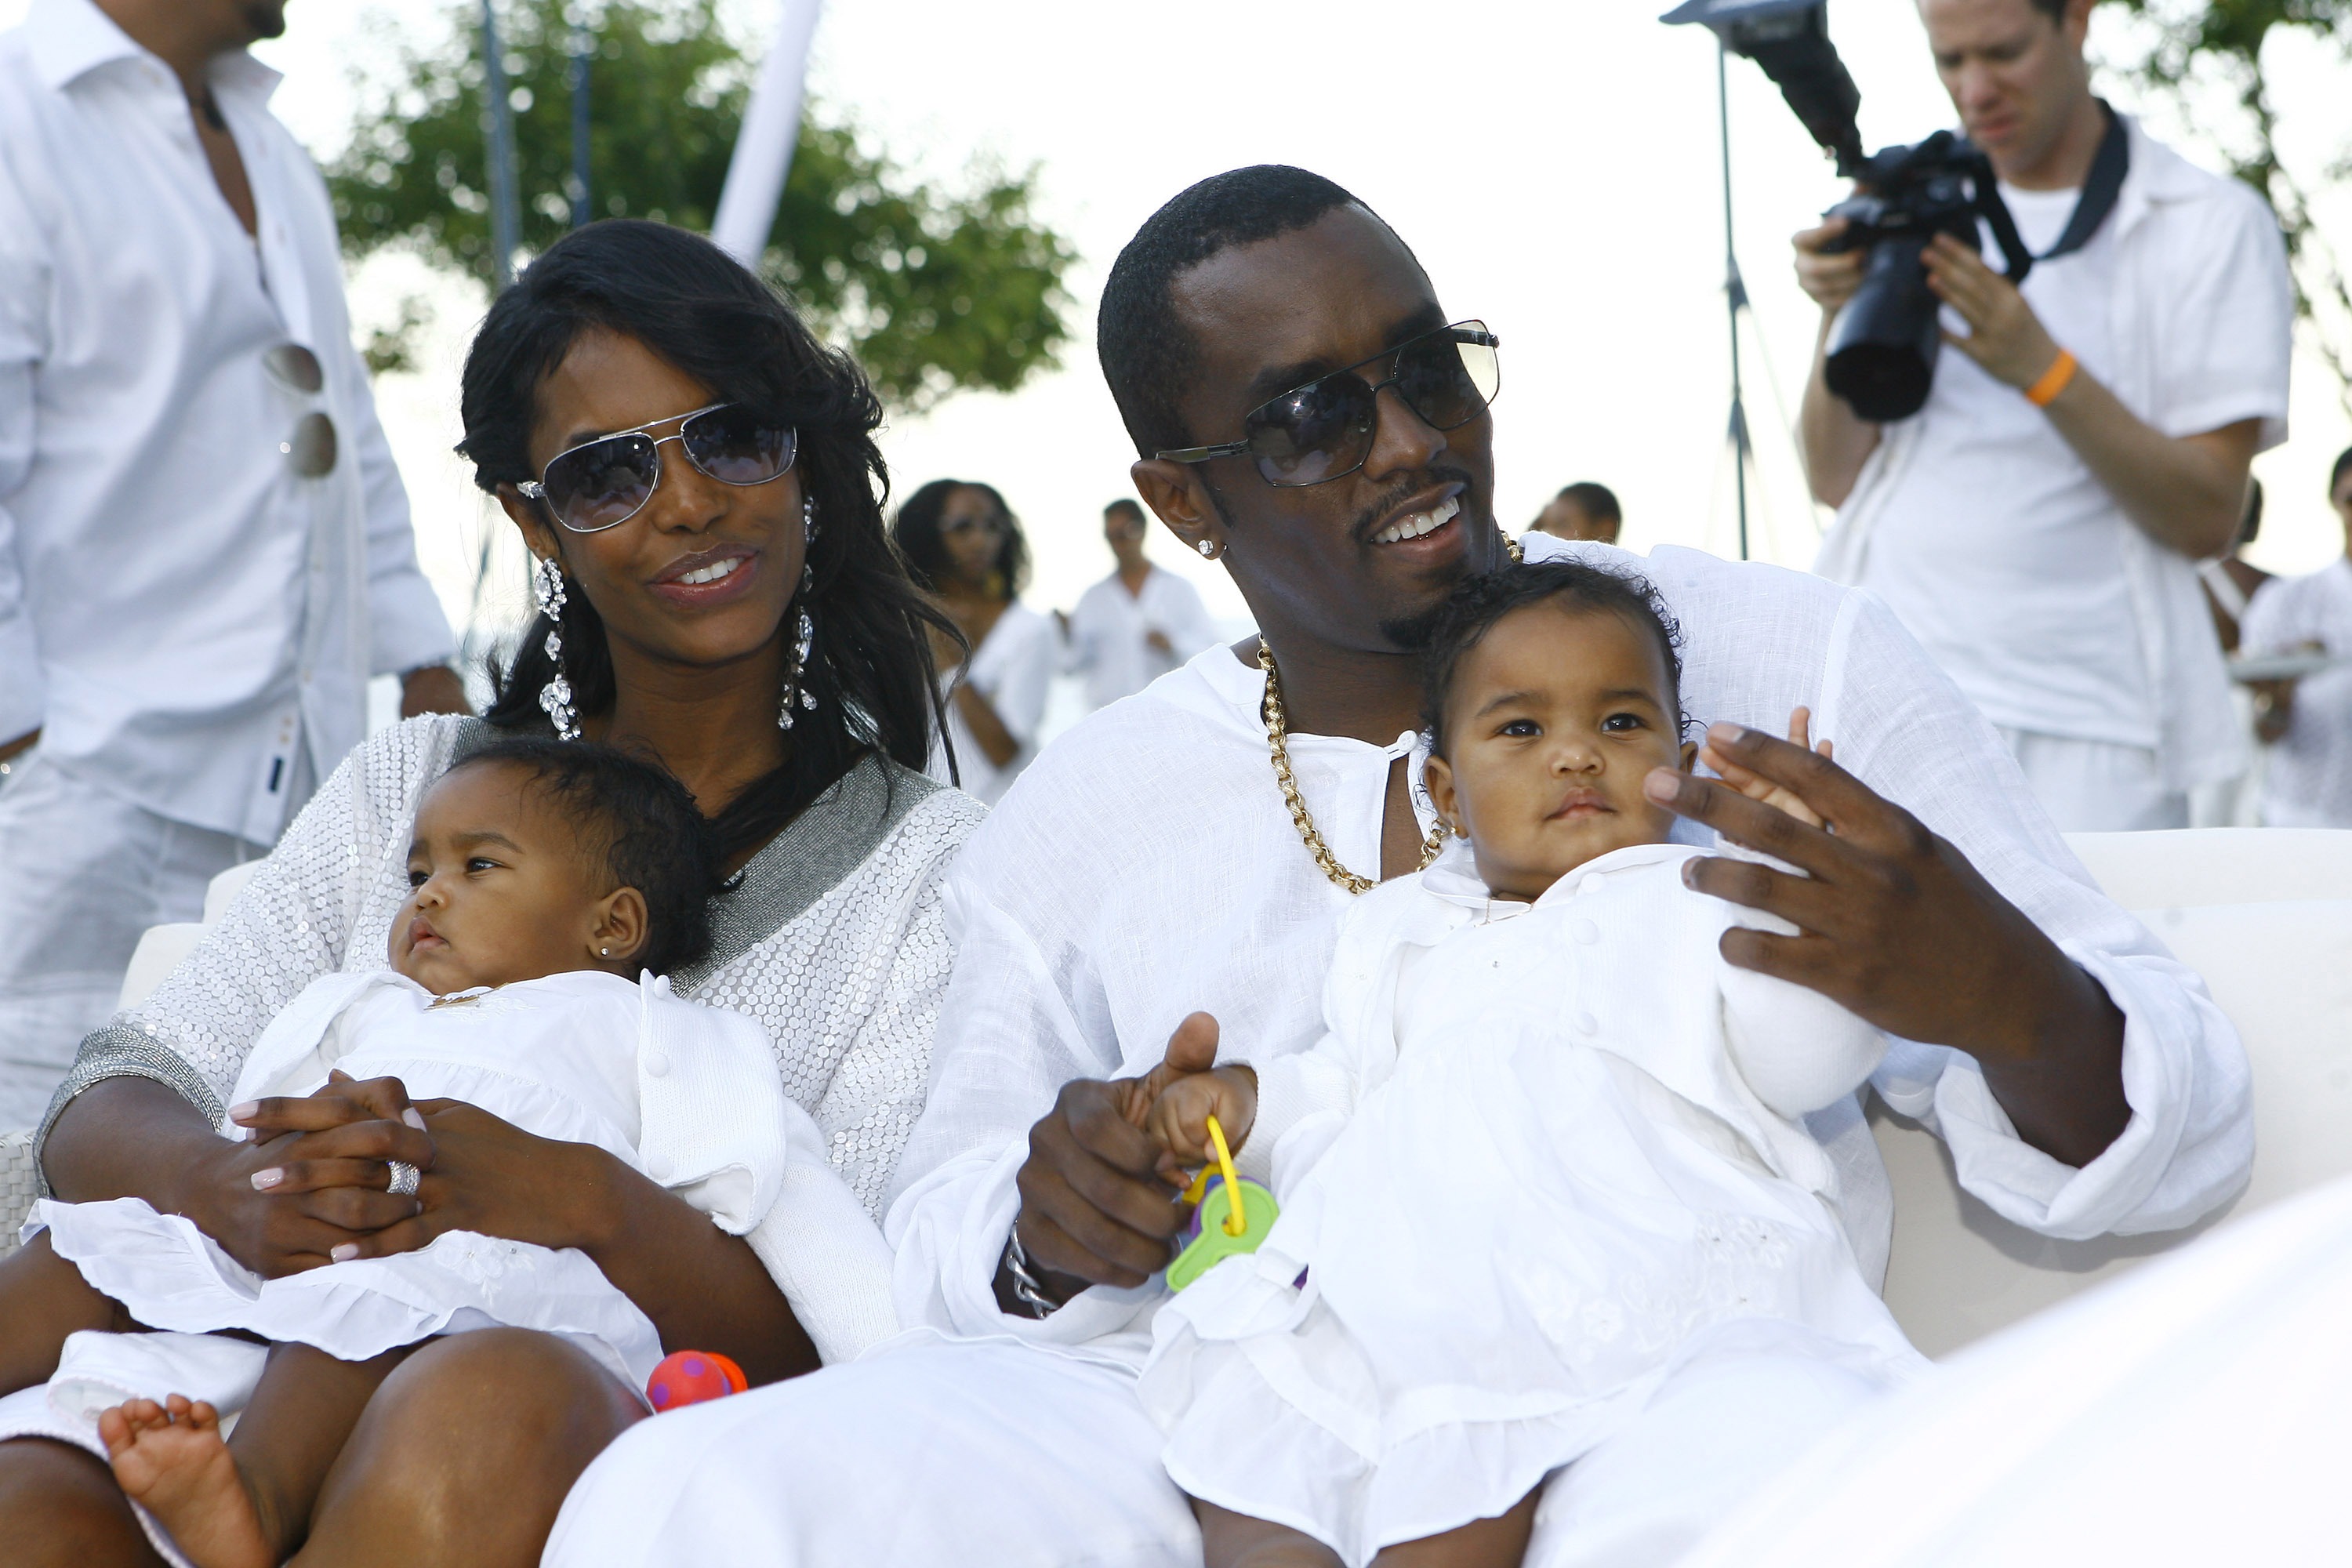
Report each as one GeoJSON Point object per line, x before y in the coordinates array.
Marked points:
{"type": "Point", "coordinates": [763, 148]}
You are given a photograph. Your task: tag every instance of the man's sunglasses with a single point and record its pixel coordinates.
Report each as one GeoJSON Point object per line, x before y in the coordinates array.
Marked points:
{"type": "Point", "coordinates": [603, 483]}
{"type": "Point", "coordinates": [1323, 430]}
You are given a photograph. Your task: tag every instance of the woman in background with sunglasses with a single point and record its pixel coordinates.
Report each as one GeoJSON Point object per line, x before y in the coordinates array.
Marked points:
{"type": "Point", "coordinates": [696, 480]}
{"type": "Point", "coordinates": [963, 544]}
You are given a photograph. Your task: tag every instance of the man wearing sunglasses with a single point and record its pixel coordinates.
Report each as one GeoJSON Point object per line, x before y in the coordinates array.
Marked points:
{"type": "Point", "coordinates": [204, 549]}
{"type": "Point", "coordinates": [1308, 413]}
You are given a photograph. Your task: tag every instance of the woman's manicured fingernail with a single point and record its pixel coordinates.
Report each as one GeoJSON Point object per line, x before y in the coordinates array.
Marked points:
{"type": "Point", "coordinates": [1661, 786]}
{"type": "Point", "coordinates": [344, 1253]}
{"type": "Point", "coordinates": [244, 1109]}
{"type": "Point", "coordinates": [265, 1179]}
{"type": "Point", "coordinates": [414, 1117]}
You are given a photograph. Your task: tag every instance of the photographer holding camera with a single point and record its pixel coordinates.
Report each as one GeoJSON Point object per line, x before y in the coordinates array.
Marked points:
{"type": "Point", "coordinates": [2036, 524]}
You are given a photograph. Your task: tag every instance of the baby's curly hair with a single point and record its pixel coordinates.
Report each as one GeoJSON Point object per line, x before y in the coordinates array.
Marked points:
{"type": "Point", "coordinates": [1477, 603]}
{"type": "Point", "coordinates": [640, 821]}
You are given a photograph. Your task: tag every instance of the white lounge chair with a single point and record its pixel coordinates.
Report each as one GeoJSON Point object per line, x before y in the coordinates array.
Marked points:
{"type": "Point", "coordinates": [2265, 914]}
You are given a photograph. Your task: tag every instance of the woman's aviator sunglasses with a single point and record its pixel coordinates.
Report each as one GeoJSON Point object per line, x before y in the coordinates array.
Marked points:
{"type": "Point", "coordinates": [1323, 430]}
{"type": "Point", "coordinates": [603, 483]}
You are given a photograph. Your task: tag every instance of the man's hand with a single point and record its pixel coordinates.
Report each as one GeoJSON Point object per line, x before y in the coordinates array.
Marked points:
{"type": "Point", "coordinates": [23, 742]}
{"type": "Point", "coordinates": [1097, 1196]}
{"type": "Point", "coordinates": [2004, 334]}
{"type": "Point", "coordinates": [1828, 277]}
{"type": "Point", "coordinates": [1895, 925]}
{"type": "Point", "coordinates": [434, 689]}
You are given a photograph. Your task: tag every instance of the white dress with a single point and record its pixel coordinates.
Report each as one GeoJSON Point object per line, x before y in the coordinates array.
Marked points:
{"type": "Point", "coordinates": [1013, 668]}
{"type": "Point", "coordinates": [1544, 1154]}
{"type": "Point", "coordinates": [684, 1094]}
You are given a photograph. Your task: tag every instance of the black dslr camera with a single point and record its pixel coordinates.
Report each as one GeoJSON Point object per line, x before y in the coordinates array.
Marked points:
{"type": "Point", "coordinates": [1882, 353]}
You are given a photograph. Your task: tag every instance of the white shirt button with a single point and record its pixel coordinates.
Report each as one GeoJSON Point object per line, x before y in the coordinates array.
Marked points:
{"type": "Point", "coordinates": [657, 1168]}
{"type": "Point", "coordinates": [1585, 932]}
{"type": "Point", "coordinates": [1586, 1023]}
{"type": "Point", "coordinates": [656, 1065]}
{"type": "Point", "coordinates": [1592, 884]}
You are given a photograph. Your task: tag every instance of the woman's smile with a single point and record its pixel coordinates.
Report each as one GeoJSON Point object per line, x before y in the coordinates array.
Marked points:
{"type": "Point", "coordinates": [719, 575]}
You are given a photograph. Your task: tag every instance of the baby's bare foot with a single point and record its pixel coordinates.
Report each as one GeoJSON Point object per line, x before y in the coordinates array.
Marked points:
{"type": "Point", "coordinates": [171, 1457]}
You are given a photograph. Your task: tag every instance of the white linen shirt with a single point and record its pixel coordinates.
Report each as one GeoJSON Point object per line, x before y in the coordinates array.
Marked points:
{"type": "Point", "coordinates": [1109, 627]}
{"type": "Point", "coordinates": [2004, 553]}
{"type": "Point", "coordinates": [1147, 868]}
{"type": "Point", "coordinates": [2309, 781]}
{"type": "Point", "coordinates": [180, 614]}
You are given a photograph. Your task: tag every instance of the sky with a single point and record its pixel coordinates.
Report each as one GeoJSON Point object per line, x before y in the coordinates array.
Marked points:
{"type": "Point", "coordinates": [1555, 166]}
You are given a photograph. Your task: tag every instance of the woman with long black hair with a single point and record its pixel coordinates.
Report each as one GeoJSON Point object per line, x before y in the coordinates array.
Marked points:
{"type": "Point", "coordinates": [963, 544]}
{"type": "Point", "coordinates": [696, 480]}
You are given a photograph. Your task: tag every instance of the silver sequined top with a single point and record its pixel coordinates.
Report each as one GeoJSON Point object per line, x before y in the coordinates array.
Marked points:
{"type": "Point", "coordinates": [831, 936]}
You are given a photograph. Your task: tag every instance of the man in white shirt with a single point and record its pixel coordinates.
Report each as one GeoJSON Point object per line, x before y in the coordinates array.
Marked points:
{"type": "Point", "coordinates": [1581, 511]}
{"type": "Point", "coordinates": [204, 548]}
{"type": "Point", "coordinates": [2085, 442]}
{"type": "Point", "coordinates": [2306, 722]}
{"type": "Point", "coordinates": [1135, 624]}
{"type": "Point", "coordinates": [1158, 860]}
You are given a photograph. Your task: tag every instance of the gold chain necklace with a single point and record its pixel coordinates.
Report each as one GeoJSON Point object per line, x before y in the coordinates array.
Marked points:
{"type": "Point", "coordinates": [1277, 742]}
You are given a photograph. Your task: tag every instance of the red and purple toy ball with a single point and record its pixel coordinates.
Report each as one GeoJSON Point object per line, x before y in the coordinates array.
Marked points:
{"type": "Point", "coordinates": [689, 1377]}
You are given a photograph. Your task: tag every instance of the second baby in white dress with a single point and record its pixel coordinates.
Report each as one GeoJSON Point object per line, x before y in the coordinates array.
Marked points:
{"type": "Point", "coordinates": [1548, 1152]}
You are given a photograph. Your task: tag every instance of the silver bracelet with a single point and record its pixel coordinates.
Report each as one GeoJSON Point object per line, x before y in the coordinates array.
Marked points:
{"type": "Point", "coordinates": [1025, 1287]}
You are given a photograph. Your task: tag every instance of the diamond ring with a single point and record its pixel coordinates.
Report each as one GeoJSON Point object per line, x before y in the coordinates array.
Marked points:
{"type": "Point", "coordinates": [404, 1179]}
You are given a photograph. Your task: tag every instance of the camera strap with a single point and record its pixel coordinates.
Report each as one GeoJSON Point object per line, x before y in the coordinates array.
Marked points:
{"type": "Point", "coordinates": [2100, 190]}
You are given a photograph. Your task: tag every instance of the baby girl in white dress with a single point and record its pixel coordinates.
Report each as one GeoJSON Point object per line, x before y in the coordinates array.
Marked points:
{"type": "Point", "coordinates": [1547, 1151]}
{"type": "Point", "coordinates": [546, 874]}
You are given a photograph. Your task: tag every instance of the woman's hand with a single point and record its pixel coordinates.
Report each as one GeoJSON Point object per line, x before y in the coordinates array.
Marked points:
{"type": "Point", "coordinates": [491, 1177]}
{"type": "Point", "coordinates": [313, 1175]}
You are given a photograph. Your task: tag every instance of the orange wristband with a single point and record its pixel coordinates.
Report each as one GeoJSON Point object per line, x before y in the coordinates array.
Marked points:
{"type": "Point", "coordinates": [2054, 380]}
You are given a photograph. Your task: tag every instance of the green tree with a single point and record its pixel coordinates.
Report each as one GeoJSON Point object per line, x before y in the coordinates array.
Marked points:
{"type": "Point", "coordinates": [2195, 50]}
{"type": "Point", "coordinates": [935, 290]}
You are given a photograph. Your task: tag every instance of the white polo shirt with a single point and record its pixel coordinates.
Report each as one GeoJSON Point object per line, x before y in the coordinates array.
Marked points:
{"type": "Point", "coordinates": [1995, 543]}
{"type": "Point", "coordinates": [190, 622]}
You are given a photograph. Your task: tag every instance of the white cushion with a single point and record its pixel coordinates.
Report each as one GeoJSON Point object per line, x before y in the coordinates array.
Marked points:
{"type": "Point", "coordinates": [2281, 967]}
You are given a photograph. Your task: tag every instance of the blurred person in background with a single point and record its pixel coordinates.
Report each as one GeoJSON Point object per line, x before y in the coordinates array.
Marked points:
{"type": "Point", "coordinates": [965, 548]}
{"type": "Point", "coordinates": [2231, 580]}
{"type": "Point", "coordinates": [1135, 624]}
{"type": "Point", "coordinates": [204, 548]}
{"type": "Point", "coordinates": [1581, 511]}
{"type": "Point", "coordinates": [2087, 436]}
{"type": "Point", "coordinates": [2307, 723]}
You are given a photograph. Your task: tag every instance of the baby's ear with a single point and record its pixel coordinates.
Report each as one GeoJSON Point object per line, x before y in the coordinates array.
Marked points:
{"type": "Point", "coordinates": [1690, 754]}
{"type": "Point", "coordinates": [618, 933]}
{"type": "Point", "coordinates": [1437, 778]}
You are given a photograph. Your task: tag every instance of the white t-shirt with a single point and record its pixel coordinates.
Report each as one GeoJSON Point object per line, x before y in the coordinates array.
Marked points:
{"type": "Point", "coordinates": [1109, 627]}
{"type": "Point", "coordinates": [1995, 543]}
{"type": "Point", "coordinates": [1013, 668]}
{"type": "Point", "coordinates": [2309, 783]}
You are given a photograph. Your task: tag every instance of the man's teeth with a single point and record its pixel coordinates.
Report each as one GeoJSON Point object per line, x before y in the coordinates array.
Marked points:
{"type": "Point", "coordinates": [713, 572]}
{"type": "Point", "coordinates": [1414, 524]}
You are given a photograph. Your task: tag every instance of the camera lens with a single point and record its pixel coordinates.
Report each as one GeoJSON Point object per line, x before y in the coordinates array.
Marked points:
{"type": "Point", "coordinates": [1882, 353]}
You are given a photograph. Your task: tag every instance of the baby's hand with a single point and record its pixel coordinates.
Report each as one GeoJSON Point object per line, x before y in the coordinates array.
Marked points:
{"type": "Point", "coordinates": [1755, 786]}
{"type": "Point", "coordinates": [1179, 1118]}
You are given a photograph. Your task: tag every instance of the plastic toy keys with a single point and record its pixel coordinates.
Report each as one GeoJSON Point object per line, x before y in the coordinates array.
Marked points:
{"type": "Point", "coordinates": [1221, 1230]}
{"type": "Point", "coordinates": [689, 1377]}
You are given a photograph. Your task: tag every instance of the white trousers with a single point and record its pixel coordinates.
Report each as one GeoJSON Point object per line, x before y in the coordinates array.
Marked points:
{"type": "Point", "coordinates": [938, 1455]}
{"type": "Point", "coordinates": [83, 872]}
{"type": "Point", "coordinates": [2096, 786]}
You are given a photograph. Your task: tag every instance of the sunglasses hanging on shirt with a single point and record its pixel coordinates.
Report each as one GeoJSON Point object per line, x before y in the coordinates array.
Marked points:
{"type": "Point", "coordinates": [309, 447]}
{"type": "Point", "coordinates": [1323, 430]}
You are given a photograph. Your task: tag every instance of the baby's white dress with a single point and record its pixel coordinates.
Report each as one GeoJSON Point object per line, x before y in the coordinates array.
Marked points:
{"type": "Point", "coordinates": [686, 1094]}
{"type": "Point", "coordinates": [1544, 1154]}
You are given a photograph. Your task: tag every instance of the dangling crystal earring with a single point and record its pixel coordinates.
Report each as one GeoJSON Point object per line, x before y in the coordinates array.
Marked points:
{"type": "Point", "coordinates": [803, 631]}
{"type": "Point", "coordinates": [555, 697]}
